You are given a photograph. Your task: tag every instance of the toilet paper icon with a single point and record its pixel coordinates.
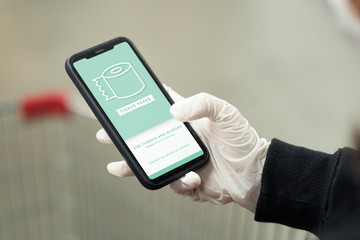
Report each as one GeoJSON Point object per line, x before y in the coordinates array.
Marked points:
{"type": "Point", "coordinates": [119, 81]}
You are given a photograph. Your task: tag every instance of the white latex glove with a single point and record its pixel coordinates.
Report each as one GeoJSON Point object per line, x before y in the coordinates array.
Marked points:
{"type": "Point", "coordinates": [237, 154]}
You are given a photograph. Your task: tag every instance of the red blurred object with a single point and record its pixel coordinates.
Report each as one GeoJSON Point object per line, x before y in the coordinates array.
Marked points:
{"type": "Point", "coordinates": [45, 104]}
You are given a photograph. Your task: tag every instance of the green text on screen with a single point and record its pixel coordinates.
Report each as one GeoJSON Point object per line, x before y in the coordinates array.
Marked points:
{"type": "Point", "coordinates": [138, 110]}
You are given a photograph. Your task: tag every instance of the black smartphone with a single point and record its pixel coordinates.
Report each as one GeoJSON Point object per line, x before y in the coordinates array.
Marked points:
{"type": "Point", "coordinates": [133, 107]}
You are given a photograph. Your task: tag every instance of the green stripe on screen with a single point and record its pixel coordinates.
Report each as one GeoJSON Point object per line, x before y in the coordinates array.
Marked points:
{"type": "Point", "coordinates": [175, 165]}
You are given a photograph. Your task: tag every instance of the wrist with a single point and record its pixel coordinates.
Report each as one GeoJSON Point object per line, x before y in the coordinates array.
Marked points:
{"type": "Point", "coordinates": [248, 197]}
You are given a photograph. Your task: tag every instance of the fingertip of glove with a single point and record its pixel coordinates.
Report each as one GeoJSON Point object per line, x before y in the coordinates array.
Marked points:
{"type": "Point", "coordinates": [174, 110]}
{"type": "Point", "coordinates": [120, 169]}
{"type": "Point", "coordinates": [103, 137]}
{"type": "Point", "coordinates": [113, 168]}
{"type": "Point", "coordinates": [191, 179]}
{"type": "Point", "coordinates": [188, 182]}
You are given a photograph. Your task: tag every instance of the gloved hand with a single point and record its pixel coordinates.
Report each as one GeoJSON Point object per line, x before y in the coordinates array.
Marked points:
{"type": "Point", "coordinates": [237, 154]}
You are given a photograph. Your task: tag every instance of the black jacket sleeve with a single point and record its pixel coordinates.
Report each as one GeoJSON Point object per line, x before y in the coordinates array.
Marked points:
{"type": "Point", "coordinates": [306, 189]}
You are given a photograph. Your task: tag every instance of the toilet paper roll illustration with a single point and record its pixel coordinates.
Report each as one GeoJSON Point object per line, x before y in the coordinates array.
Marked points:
{"type": "Point", "coordinates": [119, 81]}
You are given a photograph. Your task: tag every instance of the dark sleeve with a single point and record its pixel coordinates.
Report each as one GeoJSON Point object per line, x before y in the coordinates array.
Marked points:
{"type": "Point", "coordinates": [306, 189]}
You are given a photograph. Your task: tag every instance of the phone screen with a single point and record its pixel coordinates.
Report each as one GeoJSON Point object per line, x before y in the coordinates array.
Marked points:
{"type": "Point", "coordinates": [138, 110]}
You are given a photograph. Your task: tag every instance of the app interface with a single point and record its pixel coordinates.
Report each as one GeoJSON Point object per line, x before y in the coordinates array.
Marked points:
{"type": "Point", "coordinates": [138, 110]}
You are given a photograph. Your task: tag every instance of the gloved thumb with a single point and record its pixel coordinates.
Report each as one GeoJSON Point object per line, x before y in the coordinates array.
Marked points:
{"type": "Point", "coordinates": [187, 183]}
{"type": "Point", "coordinates": [202, 105]}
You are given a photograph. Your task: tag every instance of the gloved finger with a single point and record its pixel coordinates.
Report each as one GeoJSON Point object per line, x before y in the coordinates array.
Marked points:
{"type": "Point", "coordinates": [188, 182]}
{"type": "Point", "coordinates": [174, 95]}
{"type": "Point", "coordinates": [103, 137]}
{"type": "Point", "coordinates": [120, 169]}
{"type": "Point", "coordinates": [203, 105]}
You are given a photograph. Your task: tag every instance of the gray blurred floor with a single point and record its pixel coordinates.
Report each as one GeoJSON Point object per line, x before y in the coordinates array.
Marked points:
{"type": "Point", "coordinates": [285, 64]}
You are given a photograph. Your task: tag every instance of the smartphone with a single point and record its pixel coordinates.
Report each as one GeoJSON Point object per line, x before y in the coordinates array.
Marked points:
{"type": "Point", "coordinates": [133, 107]}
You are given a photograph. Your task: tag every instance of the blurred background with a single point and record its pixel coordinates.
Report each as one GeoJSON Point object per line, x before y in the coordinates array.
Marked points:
{"type": "Point", "coordinates": [287, 65]}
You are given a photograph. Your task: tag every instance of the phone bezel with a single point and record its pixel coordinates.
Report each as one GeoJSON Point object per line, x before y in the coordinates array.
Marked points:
{"type": "Point", "coordinates": [111, 130]}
